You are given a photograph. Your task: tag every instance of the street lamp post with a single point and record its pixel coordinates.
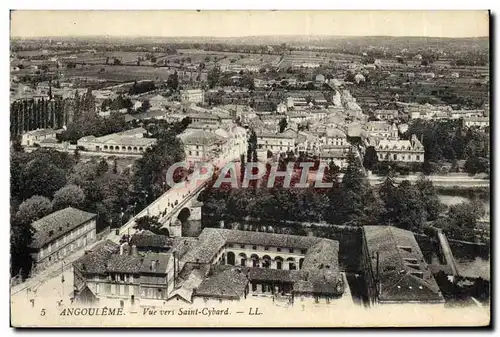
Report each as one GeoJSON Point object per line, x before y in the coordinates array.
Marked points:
{"type": "Point", "coordinates": [62, 280]}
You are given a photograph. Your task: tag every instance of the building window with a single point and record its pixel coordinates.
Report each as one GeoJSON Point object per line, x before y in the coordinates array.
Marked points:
{"type": "Point", "coordinates": [303, 251]}
{"type": "Point", "coordinates": [242, 246]}
{"type": "Point", "coordinates": [190, 153]}
{"type": "Point", "coordinates": [254, 247]}
{"type": "Point", "coordinates": [418, 157]}
{"type": "Point", "coordinates": [290, 250]}
{"type": "Point", "coordinates": [122, 278]}
{"type": "Point", "coordinates": [266, 248]}
{"type": "Point", "coordinates": [113, 278]}
{"type": "Point", "coordinates": [278, 249]}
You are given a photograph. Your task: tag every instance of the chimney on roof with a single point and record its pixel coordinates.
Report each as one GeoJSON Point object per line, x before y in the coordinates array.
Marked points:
{"type": "Point", "coordinates": [153, 266]}
{"type": "Point", "coordinates": [51, 232]}
{"type": "Point", "coordinates": [134, 250]}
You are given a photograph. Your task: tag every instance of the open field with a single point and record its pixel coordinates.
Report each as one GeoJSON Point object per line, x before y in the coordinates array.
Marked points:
{"type": "Point", "coordinates": [121, 73]}
{"type": "Point", "coordinates": [239, 58]}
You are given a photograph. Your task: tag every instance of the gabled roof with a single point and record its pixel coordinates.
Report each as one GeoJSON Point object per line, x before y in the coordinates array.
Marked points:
{"type": "Point", "coordinates": [94, 261]}
{"type": "Point", "coordinates": [230, 283]}
{"type": "Point", "coordinates": [57, 224]}
{"type": "Point", "coordinates": [202, 137]}
{"type": "Point", "coordinates": [150, 240]}
{"type": "Point", "coordinates": [154, 263]}
{"type": "Point", "coordinates": [402, 271]}
{"type": "Point", "coordinates": [124, 264]}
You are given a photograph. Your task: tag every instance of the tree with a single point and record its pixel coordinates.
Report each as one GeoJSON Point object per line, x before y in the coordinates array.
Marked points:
{"type": "Point", "coordinates": [68, 196]}
{"type": "Point", "coordinates": [102, 167]}
{"type": "Point", "coordinates": [33, 209]}
{"type": "Point", "coordinates": [370, 159]}
{"type": "Point", "coordinates": [474, 165]}
{"type": "Point", "coordinates": [41, 177]}
{"type": "Point", "coordinates": [21, 237]}
{"type": "Point", "coordinates": [213, 77]}
{"type": "Point", "coordinates": [151, 169]}
{"type": "Point", "coordinates": [283, 124]}
{"type": "Point", "coordinates": [429, 197]}
{"type": "Point", "coordinates": [354, 189]}
{"type": "Point", "coordinates": [173, 81]}
{"type": "Point", "coordinates": [387, 193]}
{"type": "Point", "coordinates": [149, 223]}
{"type": "Point", "coordinates": [409, 212]}
{"type": "Point", "coordinates": [461, 220]}
{"type": "Point", "coordinates": [252, 147]}
{"type": "Point", "coordinates": [186, 121]}
{"type": "Point", "coordinates": [146, 105]}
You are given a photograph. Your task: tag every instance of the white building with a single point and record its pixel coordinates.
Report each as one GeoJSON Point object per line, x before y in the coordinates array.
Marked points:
{"type": "Point", "coordinates": [126, 142]}
{"type": "Point", "coordinates": [193, 95]}
{"type": "Point", "coordinates": [61, 233]}
{"type": "Point", "coordinates": [33, 137]}
{"type": "Point", "coordinates": [481, 122]}
{"type": "Point", "coordinates": [398, 150]}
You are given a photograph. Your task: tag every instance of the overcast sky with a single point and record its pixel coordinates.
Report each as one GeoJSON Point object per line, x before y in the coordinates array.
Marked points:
{"type": "Point", "coordinates": [247, 23]}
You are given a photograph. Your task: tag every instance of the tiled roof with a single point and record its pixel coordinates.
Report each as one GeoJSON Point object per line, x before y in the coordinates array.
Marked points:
{"type": "Point", "coordinates": [57, 224]}
{"type": "Point", "coordinates": [403, 273]}
{"type": "Point", "coordinates": [201, 137]}
{"type": "Point", "coordinates": [268, 239]}
{"type": "Point", "coordinates": [151, 240]}
{"type": "Point", "coordinates": [210, 241]}
{"type": "Point", "coordinates": [230, 283]}
{"type": "Point", "coordinates": [277, 275]}
{"type": "Point", "coordinates": [182, 245]}
{"type": "Point", "coordinates": [153, 263]}
{"type": "Point", "coordinates": [94, 261]}
{"type": "Point", "coordinates": [124, 264]}
{"type": "Point", "coordinates": [324, 254]}
{"type": "Point", "coordinates": [41, 132]}
{"type": "Point", "coordinates": [337, 133]}
{"type": "Point", "coordinates": [321, 264]}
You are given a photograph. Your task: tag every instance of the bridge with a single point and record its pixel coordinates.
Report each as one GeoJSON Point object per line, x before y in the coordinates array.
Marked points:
{"type": "Point", "coordinates": [445, 249]}
{"type": "Point", "coordinates": [178, 203]}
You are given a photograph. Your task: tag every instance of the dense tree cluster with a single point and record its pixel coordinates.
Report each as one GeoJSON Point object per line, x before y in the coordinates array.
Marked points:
{"type": "Point", "coordinates": [44, 181]}
{"type": "Point", "coordinates": [349, 201]}
{"type": "Point", "coordinates": [149, 181]}
{"type": "Point", "coordinates": [450, 141]}
{"type": "Point", "coordinates": [152, 224]}
{"type": "Point", "coordinates": [118, 103]}
{"type": "Point", "coordinates": [141, 87]}
{"type": "Point", "coordinates": [93, 125]}
{"type": "Point", "coordinates": [461, 220]}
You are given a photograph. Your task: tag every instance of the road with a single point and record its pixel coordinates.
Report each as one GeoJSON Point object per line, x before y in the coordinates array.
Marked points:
{"type": "Point", "coordinates": [444, 181]}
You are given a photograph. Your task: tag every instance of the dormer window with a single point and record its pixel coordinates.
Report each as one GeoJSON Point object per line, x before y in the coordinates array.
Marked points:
{"type": "Point", "coordinates": [406, 248]}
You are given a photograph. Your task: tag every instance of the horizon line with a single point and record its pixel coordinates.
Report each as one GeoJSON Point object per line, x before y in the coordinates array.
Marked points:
{"type": "Point", "coordinates": [246, 36]}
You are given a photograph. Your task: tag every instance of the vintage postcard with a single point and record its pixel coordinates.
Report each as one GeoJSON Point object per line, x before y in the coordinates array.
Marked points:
{"type": "Point", "coordinates": [249, 168]}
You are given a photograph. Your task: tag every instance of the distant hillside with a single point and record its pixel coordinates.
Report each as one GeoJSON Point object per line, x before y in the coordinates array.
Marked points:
{"type": "Point", "coordinates": [480, 43]}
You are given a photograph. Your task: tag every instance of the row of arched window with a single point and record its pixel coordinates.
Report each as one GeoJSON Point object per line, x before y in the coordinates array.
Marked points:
{"type": "Point", "coordinates": [123, 148]}
{"type": "Point", "coordinates": [265, 262]}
